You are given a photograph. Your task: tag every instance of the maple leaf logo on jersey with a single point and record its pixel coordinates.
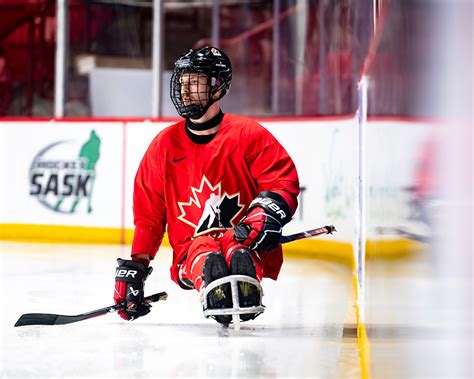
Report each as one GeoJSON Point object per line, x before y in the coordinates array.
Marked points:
{"type": "Point", "coordinates": [208, 209]}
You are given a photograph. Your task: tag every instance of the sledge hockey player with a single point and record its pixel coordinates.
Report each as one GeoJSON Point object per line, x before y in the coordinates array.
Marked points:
{"type": "Point", "coordinates": [199, 179]}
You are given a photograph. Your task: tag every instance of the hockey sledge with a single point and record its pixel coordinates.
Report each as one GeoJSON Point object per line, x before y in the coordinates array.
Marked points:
{"type": "Point", "coordinates": [236, 309]}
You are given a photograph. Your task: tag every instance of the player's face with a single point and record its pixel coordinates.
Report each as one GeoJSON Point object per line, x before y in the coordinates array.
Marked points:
{"type": "Point", "coordinates": [194, 88]}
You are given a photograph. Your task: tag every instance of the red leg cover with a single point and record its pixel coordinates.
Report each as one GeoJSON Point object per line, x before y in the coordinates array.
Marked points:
{"type": "Point", "coordinates": [229, 245]}
{"type": "Point", "coordinates": [199, 249]}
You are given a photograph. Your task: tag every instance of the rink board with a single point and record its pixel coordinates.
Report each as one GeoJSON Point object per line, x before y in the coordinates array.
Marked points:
{"type": "Point", "coordinates": [50, 194]}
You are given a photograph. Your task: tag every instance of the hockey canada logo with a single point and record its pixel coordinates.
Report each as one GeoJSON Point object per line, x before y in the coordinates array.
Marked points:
{"type": "Point", "coordinates": [208, 209]}
{"type": "Point", "coordinates": [216, 52]}
{"type": "Point", "coordinates": [62, 174]}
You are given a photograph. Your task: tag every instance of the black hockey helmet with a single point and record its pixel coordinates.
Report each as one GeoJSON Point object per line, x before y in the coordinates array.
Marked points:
{"type": "Point", "coordinates": [212, 62]}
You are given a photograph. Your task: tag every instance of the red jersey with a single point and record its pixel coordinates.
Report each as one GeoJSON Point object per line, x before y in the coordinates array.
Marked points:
{"type": "Point", "coordinates": [194, 189]}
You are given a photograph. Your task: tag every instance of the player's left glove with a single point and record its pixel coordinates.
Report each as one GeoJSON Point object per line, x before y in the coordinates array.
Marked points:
{"type": "Point", "coordinates": [261, 228]}
{"type": "Point", "coordinates": [130, 279]}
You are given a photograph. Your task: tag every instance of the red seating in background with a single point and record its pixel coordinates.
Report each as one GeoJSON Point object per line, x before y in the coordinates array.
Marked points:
{"type": "Point", "coordinates": [5, 87]}
{"type": "Point", "coordinates": [24, 49]}
{"type": "Point", "coordinates": [27, 48]}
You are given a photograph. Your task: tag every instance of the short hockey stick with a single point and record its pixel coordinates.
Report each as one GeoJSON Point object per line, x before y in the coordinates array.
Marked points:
{"type": "Point", "coordinates": [241, 233]}
{"type": "Point", "coordinates": [328, 229]}
{"type": "Point", "coordinates": [52, 319]}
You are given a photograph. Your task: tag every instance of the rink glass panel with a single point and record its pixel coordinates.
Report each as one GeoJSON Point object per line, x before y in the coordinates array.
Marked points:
{"type": "Point", "coordinates": [307, 64]}
{"type": "Point", "coordinates": [417, 296]}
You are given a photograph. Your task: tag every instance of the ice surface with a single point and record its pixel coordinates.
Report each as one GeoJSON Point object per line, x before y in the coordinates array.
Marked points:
{"type": "Point", "coordinates": [300, 333]}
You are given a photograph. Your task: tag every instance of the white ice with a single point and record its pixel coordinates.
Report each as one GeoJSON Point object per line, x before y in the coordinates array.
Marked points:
{"type": "Point", "coordinates": [299, 335]}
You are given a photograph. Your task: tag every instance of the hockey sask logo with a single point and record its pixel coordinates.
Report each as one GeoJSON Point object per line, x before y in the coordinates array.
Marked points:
{"type": "Point", "coordinates": [62, 174]}
{"type": "Point", "coordinates": [208, 210]}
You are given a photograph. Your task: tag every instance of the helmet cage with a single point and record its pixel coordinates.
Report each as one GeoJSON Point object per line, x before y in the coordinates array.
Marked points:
{"type": "Point", "coordinates": [201, 99]}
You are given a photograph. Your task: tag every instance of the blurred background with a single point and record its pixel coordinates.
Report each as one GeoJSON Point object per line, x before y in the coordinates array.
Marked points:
{"type": "Point", "coordinates": [406, 233]}
{"type": "Point", "coordinates": [290, 57]}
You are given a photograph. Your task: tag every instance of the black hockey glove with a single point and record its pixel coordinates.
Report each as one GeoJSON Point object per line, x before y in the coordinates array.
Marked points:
{"type": "Point", "coordinates": [130, 279]}
{"type": "Point", "coordinates": [261, 228]}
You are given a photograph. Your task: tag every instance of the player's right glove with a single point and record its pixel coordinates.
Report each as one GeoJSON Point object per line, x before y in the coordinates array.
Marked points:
{"type": "Point", "coordinates": [261, 228]}
{"type": "Point", "coordinates": [130, 279]}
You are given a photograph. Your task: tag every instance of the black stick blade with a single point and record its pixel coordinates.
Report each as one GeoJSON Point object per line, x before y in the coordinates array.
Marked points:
{"type": "Point", "coordinates": [53, 319]}
{"type": "Point", "coordinates": [37, 319]}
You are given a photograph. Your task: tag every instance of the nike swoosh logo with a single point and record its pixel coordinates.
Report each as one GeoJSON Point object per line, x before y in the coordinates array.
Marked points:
{"type": "Point", "coordinates": [178, 159]}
